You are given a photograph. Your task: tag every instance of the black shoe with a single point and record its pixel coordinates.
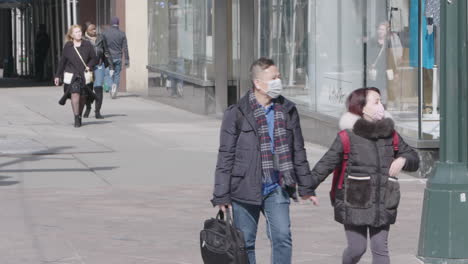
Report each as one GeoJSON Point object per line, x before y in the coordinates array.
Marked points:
{"type": "Point", "coordinates": [77, 121]}
{"type": "Point", "coordinates": [87, 111]}
{"type": "Point", "coordinates": [98, 115]}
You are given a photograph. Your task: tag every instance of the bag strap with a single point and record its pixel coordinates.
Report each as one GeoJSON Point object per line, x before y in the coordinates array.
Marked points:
{"type": "Point", "coordinates": [339, 173]}
{"type": "Point", "coordinates": [396, 142]}
{"type": "Point", "coordinates": [79, 55]}
{"type": "Point", "coordinates": [346, 150]}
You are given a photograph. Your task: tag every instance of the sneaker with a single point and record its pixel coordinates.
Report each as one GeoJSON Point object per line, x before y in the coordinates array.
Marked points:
{"type": "Point", "coordinates": [113, 92]}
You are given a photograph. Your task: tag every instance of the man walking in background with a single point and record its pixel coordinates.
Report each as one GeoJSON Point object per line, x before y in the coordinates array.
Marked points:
{"type": "Point", "coordinates": [117, 44]}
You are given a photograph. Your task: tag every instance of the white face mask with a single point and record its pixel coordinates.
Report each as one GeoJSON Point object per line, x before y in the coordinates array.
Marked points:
{"type": "Point", "coordinates": [275, 88]}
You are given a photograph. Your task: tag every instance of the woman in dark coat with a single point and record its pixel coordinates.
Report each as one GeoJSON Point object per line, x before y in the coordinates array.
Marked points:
{"type": "Point", "coordinates": [71, 68]}
{"type": "Point", "coordinates": [104, 60]}
{"type": "Point", "coordinates": [370, 194]}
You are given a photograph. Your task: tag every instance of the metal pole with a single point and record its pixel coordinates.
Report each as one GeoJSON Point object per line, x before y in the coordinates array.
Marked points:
{"type": "Point", "coordinates": [29, 39]}
{"type": "Point", "coordinates": [57, 27]}
{"type": "Point", "coordinates": [22, 40]}
{"type": "Point", "coordinates": [52, 35]}
{"type": "Point", "coordinates": [292, 46]}
{"type": "Point", "coordinates": [247, 36]}
{"type": "Point", "coordinates": [75, 19]}
{"type": "Point", "coordinates": [69, 19]}
{"type": "Point", "coordinates": [15, 42]}
{"type": "Point", "coordinates": [26, 41]}
{"type": "Point", "coordinates": [443, 235]}
{"type": "Point", "coordinates": [420, 71]}
{"type": "Point", "coordinates": [221, 55]}
{"type": "Point", "coordinates": [64, 26]}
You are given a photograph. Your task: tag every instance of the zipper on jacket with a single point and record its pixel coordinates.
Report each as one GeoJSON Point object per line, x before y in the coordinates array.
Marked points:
{"type": "Point", "coordinates": [378, 183]}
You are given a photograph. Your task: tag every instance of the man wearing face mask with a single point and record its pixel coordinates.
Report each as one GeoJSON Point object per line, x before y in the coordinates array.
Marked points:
{"type": "Point", "coordinates": [261, 161]}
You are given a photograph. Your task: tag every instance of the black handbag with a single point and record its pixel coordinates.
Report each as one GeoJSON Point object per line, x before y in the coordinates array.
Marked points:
{"type": "Point", "coordinates": [221, 242]}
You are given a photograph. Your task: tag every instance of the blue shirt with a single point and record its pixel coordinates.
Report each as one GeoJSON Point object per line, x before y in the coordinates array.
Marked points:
{"type": "Point", "coordinates": [270, 117]}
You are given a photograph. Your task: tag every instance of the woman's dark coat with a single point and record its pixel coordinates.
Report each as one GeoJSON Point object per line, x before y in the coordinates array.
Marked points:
{"type": "Point", "coordinates": [369, 195]}
{"type": "Point", "coordinates": [71, 62]}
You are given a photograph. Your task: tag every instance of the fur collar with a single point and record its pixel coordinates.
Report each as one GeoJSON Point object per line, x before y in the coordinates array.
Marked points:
{"type": "Point", "coordinates": [371, 130]}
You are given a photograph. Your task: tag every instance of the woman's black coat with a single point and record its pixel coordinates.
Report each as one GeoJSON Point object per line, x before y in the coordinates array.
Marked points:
{"type": "Point", "coordinates": [369, 195]}
{"type": "Point", "coordinates": [71, 62]}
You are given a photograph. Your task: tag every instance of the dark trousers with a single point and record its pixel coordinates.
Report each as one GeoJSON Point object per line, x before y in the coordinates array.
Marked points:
{"type": "Point", "coordinates": [357, 244]}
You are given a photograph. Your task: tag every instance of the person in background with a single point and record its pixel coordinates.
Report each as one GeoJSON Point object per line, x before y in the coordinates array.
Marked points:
{"type": "Point", "coordinates": [41, 49]}
{"type": "Point", "coordinates": [76, 53]}
{"type": "Point", "coordinates": [117, 43]}
{"type": "Point", "coordinates": [104, 61]}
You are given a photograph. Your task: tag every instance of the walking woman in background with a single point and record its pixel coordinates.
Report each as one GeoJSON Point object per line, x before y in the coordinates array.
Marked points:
{"type": "Point", "coordinates": [104, 60]}
{"type": "Point", "coordinates": [78, 60]}
{"type": "Point", "coordinates": [372, 154]}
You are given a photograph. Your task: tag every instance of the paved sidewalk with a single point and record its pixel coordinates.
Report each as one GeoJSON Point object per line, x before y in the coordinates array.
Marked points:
{"type": "Point", "coordinates": [135, 187]}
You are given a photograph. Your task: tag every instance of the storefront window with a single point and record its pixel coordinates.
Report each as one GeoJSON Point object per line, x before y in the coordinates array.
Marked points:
{"type": "Point", "coordinates": [326, 49]}
{"type": "Point", "coordinates": [181, 37]}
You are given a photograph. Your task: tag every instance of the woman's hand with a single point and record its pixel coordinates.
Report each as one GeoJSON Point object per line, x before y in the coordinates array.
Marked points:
{"type": "Point", "coordinates": [313, 199]}
{"type": "Point", "coordinates": [397, 166]}
{"type": "Point", "coordinates": [57, 81]}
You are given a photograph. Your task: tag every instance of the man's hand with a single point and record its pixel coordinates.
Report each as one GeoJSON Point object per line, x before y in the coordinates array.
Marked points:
{"type": "Point", "coordinates": [397, 166]}
{"type": "Point", "coordinates": [56, 81]}
{"type": "Point", "coordinates": [313, 199]}
{"type": "Point", "coordinates": [111, 73]}
{"type": "Point", "coordinates": [223, 207]}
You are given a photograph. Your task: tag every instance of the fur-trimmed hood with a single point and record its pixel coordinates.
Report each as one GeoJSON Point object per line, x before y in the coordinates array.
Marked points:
{"type": "Point", "coordinates": [371, 130]}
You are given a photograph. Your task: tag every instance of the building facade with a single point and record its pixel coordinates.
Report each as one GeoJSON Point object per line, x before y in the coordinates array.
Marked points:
{"type": "Point", "coordinates": [199, 53]}
{"type": "Point", "coordinates": [196, 54]}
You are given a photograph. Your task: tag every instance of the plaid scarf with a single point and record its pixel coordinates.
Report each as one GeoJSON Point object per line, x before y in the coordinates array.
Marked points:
{"type": "Point", "coordinates": [281, 145]}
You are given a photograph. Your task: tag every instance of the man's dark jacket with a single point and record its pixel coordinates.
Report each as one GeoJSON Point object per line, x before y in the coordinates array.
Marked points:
{"type": "Point", "coordinates": [117, 42]}
{"type": "Point", "coordinates": [239, 170]}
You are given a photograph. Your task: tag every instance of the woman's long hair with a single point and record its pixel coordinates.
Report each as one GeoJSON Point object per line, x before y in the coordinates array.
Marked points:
{"type": "Point", "coordinates": [68, 36]}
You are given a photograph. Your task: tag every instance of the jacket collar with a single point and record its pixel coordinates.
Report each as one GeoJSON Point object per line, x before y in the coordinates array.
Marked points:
{"type": "Point", "coordinates": [370, 130]}
{"type": "Point", "coordinates": [246, 109]}
{"type": "Point", "coordinates": [244, 104]}
{"type": "Point", "coordinates": [84, 42]}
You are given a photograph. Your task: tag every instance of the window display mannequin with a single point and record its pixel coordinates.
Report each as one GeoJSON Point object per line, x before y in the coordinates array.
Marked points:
{"type": "Point", "coordinates": [433, 22]}
{"type": "Point", "coordinates": [427, 51]}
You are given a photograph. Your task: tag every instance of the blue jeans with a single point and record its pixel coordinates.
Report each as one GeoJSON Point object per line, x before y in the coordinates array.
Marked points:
{"type": "Point", "coordinates": [275, 208]}
{"type": "Point", "coordinates": [99, 75]}
{"type": "Point", "coordinates": [117, 70]}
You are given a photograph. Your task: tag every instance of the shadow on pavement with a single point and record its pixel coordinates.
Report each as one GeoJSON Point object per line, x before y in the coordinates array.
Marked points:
{"type": "Point", "coordinates": [35, 156]}
{"type": "Point", "coordinates": [85, 123]}
{"type": "Point", "coordinates": [7, 183]}
{"type": "Point", "coordinates": [127, 96]}
{"type": "Point", "coordinates": [113, 115]}
{"type": "Point", "coordinates": [23, 82]}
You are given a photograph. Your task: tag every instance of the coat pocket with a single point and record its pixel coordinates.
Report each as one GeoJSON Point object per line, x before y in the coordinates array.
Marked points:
{"type": "Point", "coordinates": [392, 193]}
{"type": "Point", "coordinates": [238, 171]}
{"type": "Point", "coordinates": [358, 190]}
{"type": "Point", "coordinates": [237, 180]}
